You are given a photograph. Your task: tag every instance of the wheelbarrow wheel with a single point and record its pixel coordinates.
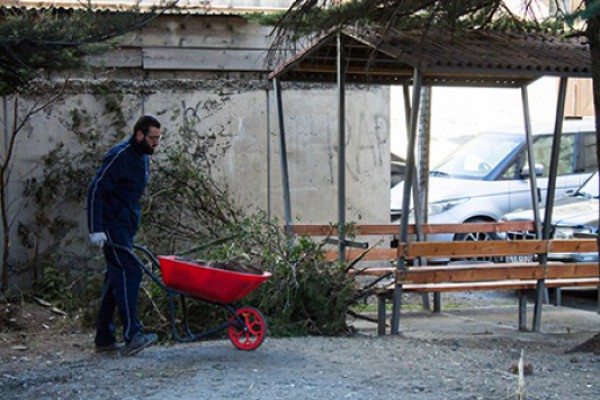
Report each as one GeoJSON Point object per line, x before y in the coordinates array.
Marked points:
{"type": "Point", "coordinates": [250, 336]}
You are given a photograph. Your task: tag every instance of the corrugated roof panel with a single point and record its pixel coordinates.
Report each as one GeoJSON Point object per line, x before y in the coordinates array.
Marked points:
{"type": "Point", "coordinates": [478, 57]}
{"type": "Point", "coordinates": [220, 7]}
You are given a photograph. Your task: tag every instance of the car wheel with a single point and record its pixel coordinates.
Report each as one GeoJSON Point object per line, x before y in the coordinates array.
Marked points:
{"type": "Point", "coordinates": [477, 236]}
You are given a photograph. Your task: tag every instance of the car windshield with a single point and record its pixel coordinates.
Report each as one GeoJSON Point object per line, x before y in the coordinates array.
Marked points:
{"type": "Point", "coordinates": [590, 187]}
{"type": "Point", "coordinates": [476, 158]}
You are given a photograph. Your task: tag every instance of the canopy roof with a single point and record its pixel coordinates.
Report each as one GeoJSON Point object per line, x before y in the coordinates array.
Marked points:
{"type": "Point", "coordinates": [462, 58]}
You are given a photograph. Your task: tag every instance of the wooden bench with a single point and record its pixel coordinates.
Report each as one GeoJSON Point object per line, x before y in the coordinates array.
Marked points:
{"type": "Point", "coordinates": [468, 276]}
{"type": "Point", "coordinates": [490, 276]}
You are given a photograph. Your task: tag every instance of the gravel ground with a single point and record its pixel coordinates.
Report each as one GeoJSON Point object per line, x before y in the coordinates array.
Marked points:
{"type": "Point", "coordinates": [450, 356]}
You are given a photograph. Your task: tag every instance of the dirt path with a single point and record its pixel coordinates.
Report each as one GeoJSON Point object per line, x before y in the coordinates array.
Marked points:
{"type": "Point", "coordinates": [466, 355]}
{"type": "Point", "coordinates": [361, 367]}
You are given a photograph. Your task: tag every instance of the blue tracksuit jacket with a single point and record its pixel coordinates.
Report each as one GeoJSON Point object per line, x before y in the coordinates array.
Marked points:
{"type": "Point", "coordinates": [114, 195]}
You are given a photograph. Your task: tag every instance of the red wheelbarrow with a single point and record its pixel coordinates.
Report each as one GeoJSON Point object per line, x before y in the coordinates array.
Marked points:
{"type": "Point", "coordinates": [246, 327]}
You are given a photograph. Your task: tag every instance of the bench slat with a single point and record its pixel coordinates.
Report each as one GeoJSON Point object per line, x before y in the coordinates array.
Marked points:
{"type": "Point", "coordinates": [573, 270]}
{"type": "Point", "coordinates": [472, 273]}
{"type": "Point", "coordinates": [554, 283]}
{"type": "Point", "coordinates": [496, 272]}
{"type": "Point", "coordinates": [500, 285]}
{"type": "Point", "coordinates": [553, 271]}
{"type": "Point", "coordinates": [474, 248]}
{"type": "Point", "coordinates": [573, 246]}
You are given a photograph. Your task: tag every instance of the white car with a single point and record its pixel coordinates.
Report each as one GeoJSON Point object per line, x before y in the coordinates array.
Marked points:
{"type": "Point", "coordinates": [575, 215]}
{"type": "Point", "coordinates": [487, 177]}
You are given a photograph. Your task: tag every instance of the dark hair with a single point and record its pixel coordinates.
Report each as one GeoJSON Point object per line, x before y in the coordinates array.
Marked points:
{"type": "Point", "coordinates": [144, 123]}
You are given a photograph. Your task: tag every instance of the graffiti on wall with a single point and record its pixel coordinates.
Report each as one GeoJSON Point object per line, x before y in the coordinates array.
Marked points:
{"type": "Point", "coordinates": [205, 128]}
{"type": "Point", "coordinates": [370, 148]}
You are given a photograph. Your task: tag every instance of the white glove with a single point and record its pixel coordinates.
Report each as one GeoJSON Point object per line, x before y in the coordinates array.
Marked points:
{"type": "Point", "coordinates": [98, 239]}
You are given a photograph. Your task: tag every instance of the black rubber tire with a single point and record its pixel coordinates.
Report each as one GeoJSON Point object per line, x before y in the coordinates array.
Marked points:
{"type": "Point", "coordinates": [478, 236]}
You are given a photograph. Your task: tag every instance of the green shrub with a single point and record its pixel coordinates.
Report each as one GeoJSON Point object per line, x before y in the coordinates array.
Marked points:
{"type": "Point", "coordinates": [186, 209]}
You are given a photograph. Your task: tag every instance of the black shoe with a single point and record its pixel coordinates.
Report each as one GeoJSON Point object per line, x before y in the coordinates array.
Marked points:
{"type": "Point", "coordinates": [114, 346]}
{"type": "Point", "coordinates": [139, 343]}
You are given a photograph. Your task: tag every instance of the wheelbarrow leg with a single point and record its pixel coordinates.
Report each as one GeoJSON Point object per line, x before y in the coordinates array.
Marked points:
{"type": "Point", "coordinates": [185, 316]}
{"type": "Point", "coordinates": [172, 306]}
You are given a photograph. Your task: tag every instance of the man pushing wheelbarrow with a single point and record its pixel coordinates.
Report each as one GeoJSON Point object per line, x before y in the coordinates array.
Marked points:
{"type": "Point", "coordinates": [113, 209]}
{"type": "Point", "coordinates": [113, 219]}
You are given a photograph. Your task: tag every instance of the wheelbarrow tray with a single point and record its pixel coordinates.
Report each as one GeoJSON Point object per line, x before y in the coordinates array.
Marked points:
{"type": "Point", "coordinates": [212, 284]}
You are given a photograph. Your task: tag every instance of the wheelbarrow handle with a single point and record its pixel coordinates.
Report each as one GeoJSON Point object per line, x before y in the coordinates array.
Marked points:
{"type": "Point", "coordinates": [140, 263]}
{"type": "Point", "coordinates": [143, 249]}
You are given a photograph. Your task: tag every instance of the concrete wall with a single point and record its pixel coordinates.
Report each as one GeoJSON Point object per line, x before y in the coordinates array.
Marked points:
{"type": "Point", "coordinates": [173, 69]}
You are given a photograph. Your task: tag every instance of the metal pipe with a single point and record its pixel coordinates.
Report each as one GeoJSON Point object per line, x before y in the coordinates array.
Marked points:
{"type": "Point", "coordinates": [415, 185]}
{"type": "Point", "coordinates": [531, 160]}
{"type": "Point", "coordinates": [410, 160]}
{"type": "Point", "coordinates": [416, 192]}
{"type": "Point", "coordinates": [421, 181]}
{"type": "Point", "coordinates": [6, 133]}
{"type": "Point", "coordinates": [4, 159]}
{"type": "Point", "coordinates": [285, 183]}
{"type": "Point", "coordinates": [558, 123]}
{"type": "Point", "coordinates": [268, 138]}
{"type": "Point", "coordinates": [268, 155]}
{"type": "Point", "coordinates": [341, 78]}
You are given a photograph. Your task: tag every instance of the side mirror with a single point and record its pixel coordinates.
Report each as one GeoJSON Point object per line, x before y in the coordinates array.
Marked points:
{"type": "Point", "coordinates": [539, 171]}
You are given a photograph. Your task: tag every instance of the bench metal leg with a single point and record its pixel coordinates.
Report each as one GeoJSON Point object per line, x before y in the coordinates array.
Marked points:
{"type": "Point", "coordinates": [381, 315]}
{"type": "Point", "coordinates": [397, 302]}
{"type": "Point", "coordinates": [437, 302]}
{"type": "Point", "coordinates": [425, 300]}
{"type": "Point", "coordinates": [558, 296]}
{"type": "Point", "coordinates": [522, 311]}
{"type": "Point", "coordinates": [537, 311]}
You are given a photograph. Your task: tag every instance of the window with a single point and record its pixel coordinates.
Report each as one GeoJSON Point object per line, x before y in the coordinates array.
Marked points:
{"type": "Point", "coordinates": [479, 156]}
{"type": "Point", "coordinates": [542, 149]}
{"type": "Point", "coordinates": [586, 153]}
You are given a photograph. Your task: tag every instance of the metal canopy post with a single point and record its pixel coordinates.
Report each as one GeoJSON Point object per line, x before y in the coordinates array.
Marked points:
{"type": "Point", "coordinates": [418, 211]}
{"type": "Point", "coordinates": [268, 139]}
{"type": "Point", "coordinates": [421, 180]}
{"type": "Point", "coordinates": [531, 161]}
{"type": "Point", "coordinates": [408, 181]}
{"type": "Point", "coordinates": [341, 78]}
{"type": "Point", "coordinates": [415, 184]}
{"type": "Point", "coordinates": [285, 183]}
{"type": "Point", "coordinates": [532, 182]}
{"type": "Point", "coordinates": [558, 124]}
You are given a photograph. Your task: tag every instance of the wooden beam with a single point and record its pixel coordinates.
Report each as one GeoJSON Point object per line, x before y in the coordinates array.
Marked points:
{"type": "Point", "coordinates": [394, 229]}
{"type": "Point", "coordinates": [373, 271]}
{"type": "Point", "coordinates": [314, 230]}
{"type": "Point", "coordinates": [372, 255]}
{"type": "Point", "coordinates": [478, 227]}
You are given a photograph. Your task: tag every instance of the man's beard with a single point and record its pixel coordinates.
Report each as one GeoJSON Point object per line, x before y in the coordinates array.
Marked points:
{"type": "Point", "coordinates": [145, 147]}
